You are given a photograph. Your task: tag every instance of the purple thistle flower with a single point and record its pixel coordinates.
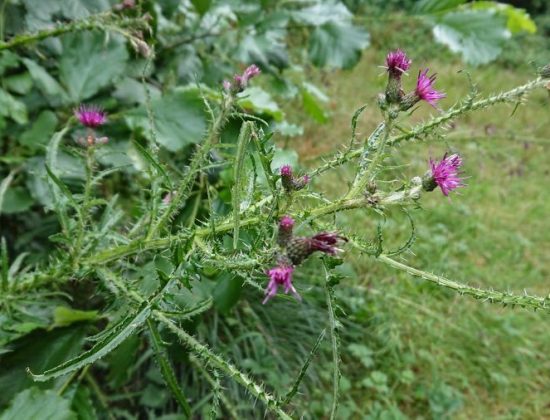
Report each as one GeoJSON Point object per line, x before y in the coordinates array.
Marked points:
{"type": "Point", "coordinates": [397, 63]}
{"type": "Point", "coordinates": [280, 276]}
{"type": "Point", "coordinates": [425, 91]}
{"type": "Point", "coordinates": [90, 115]}
{"type": "Point", "coordinates": [286, 171]}
{"type": "Point", "coordinates": [290, 182]}
{"type": "Point", "coordinates": [325, 242]}
{"type": "Point", "coordinates": [286, 223]}
{"type": "Point", "coordinates": [250, 72]}
{"type": "Point", "coordinates": [226, 85]}
{"type": "Point", "coordinates": [445, 174]}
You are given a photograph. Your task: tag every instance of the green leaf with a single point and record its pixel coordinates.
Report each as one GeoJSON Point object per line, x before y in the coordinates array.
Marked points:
{"type": "Point", "coordinates": [259, 101]}
{"type": "Point", "coordinates": [42, 13]}
{"type": "Point", "coordinates": [82, 404]}
{"type": "Point", "coordinates": [16, 200]}
{"type": "Point", "coordinates": [201, 6]}
{"type": "Point", "coordinates": [46, 84]}
{"type": "Point", "coordinates": [313, 100]}
{"type": "Point", "coordinates": [147, 156]}
{"type": "Point", "coordinates": [13, 108]}
{"type": "Point", "coordinates": [180, 119]}
{"type": "Point", "coordinates": [478, 35]}
{"type": "Point", "coordinates": [41, 130]}
{"type": "Point", "coordinates": [323, 13]}
{"type": "Point", "coordinates": [35, 403]}
{"type": "Point", "coordinates": [337, 45]}
{"type": "Point", "coordinates": [517, 20]}
{"type": "Point", "coordinates": [20, 83]}
{"type": "Point", "coordinates": [109, 342]}
{"type": "Point", "coordinates": [90, 63]}
{"type": "Point", "coordinates": [264, 49]}
{"type": "Point", "coordinates": [436, 6]}
{"type": "Point", "coordinates": [227, 292]}
{"type": "Point", "coordinates": [64, 316]}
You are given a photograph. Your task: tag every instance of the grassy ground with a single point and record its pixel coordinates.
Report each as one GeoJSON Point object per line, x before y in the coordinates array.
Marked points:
{"type": "Point", "coordinates": [418, 350]}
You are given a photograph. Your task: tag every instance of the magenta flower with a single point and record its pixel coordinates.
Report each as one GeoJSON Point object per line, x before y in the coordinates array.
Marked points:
{"type": "Point", "coordinates": [445, 174]}
{"type": "Point", "coordinates": [280, 276]}
{"type": "Point", "coordinates": [286, 223]}
{"type": "Point", "coordinates": [286, 171]}
{"type": "Point", "coordinates": [226, 85]}
{"type": "Point", "coordinates": [241, 80]}
{"type": "Point", "coordinates": [397, 63]}
{"type": "Point", "coordinates": [90, 115]}
{"type": "Point", "coordinates": [300, 248]}
{"type": "Point", "coordinates": [290, 182]}
{"type": "Point", "coordinates": [424, 90]}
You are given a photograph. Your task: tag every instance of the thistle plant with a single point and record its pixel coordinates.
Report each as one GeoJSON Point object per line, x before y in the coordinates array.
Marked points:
{"type": "Point", "coordinates": [275, 221]}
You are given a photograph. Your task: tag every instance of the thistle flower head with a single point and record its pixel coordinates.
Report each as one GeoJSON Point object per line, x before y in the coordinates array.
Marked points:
{"type": "Point", "coordinates": [445, 174]}
{"type": "Point", "coordinates": [286, 223]}
{"type": "Point", "coordinates": [280, 276]}
{"type": "Point", "coordinates": [286, 170]}
{"type": "Point", "coordinates": [240, 81]}
{"type": "Point", "coordinates": [397, 62]}
{"type": "Point", "coordinates": [90, 115]}
{"type": "Point", "coordinates": [326, 242]}
{"type": "Point", "coordinates": [424, 88]}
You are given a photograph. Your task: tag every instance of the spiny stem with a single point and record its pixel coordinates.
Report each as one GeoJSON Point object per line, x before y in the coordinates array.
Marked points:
{"type": "Point", "coordinates": [334, 344]}
{"type": "Point", "coordinates": [492, 296]}
{"type": "Point", "coordinates": [208, 356]}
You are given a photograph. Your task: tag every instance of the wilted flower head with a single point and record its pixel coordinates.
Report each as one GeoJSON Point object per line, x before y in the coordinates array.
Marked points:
{"type": "Point", "coordinates": [424, 88]}
{"type": "Point", "coordinates": [290, 182]}
{"type": "Point", "coordinates": [90, 115]}
{"type": "Point", "coordinates": [280, 276]}
{"type": "Point", "coordinates": [302, 247]}
{"type": "Point", "coordinates": [397, 63]}
{"type": "Point", "coordinates": [444, 174]}
{"type": "Point", "coordinates": [241, 80]}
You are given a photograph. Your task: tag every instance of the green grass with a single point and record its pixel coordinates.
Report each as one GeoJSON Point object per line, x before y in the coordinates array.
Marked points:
{"type": "Point", "coordinates": [427, 352]}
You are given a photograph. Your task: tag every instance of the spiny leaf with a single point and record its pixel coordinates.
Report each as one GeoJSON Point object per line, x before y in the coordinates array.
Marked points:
{"type": "Point", "coordinates": [147, 156]}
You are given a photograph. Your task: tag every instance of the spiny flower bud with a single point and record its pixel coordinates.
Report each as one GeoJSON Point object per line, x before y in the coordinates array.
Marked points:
{"type": "Point", "coordinates": [397, 63]}
{"type": "Point", "coordinates": [286, 224]}
{"type": "Point", "coordinates": [280, 275]}
{"type": "Point", "coordinates": [444, 174]}
{"type": "Point", "coordinates": [290, 182]}
{"type": "Point", "coordinates": [545, 72]}
{"type": "Point", "coordinates": [300, 248]}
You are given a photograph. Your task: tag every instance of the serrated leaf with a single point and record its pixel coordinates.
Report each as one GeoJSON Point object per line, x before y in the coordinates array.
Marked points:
{"type": "Point", "coordinates": [436, 6]}
{"type": "Point", "coordinates": [16, 200]}
{"type": "Point", "coordinates": [90, 63]}
{"type": "Point", "coordinates": [41, 130]}
{"type": "Point", "coordinates": [478, 35]}
{"type": "Point", "coordinates": [46, 83]}
{"type": "Point", "coordinates": [180, 119]}
{"type": "Point", "coordinates": [322, 13]}
{"type": "Point", "coordinates": [260, 102]}
{"type": "Point", "coordinates": [64, 316]}
{"type": "Point", "coordinates": [313, 101]}
{"type": "Point", "coordinates": [517, 20]}
{"type": "Point", "coordinates": [13, 108]}
{"type": "Point", "coordinates": [264, 49]}
{"type": "Point", "coordinates": [109, 342]}
{"type": "Point", "coordinates": [35, 403]}
{"type": "Point", "coordinates": [337, 45]}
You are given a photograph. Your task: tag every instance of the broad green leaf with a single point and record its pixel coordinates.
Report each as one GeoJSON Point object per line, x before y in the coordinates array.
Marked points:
{"type": "Point", "coordinates": [8, 60]}
{"type": "Point", "coordinates": [180, 119]}
{"type": "Point", "coordinates": [313, 101]}
{"type": "Point", "coordinates": [20, 83]}
{"type": "Point", "coordinates": [264, 49]}
{"type": "Point", "coordinates": [132, 91]}
{"type": "Point", "coordinates": [42, 13]}
{"type": "Point", "coordinates": [41, 130]}
{"type": "Point", "coordinates": [259, 101]}
{"type": "Point", "coordinates": [63, 316]}
{"type": "Point", "coordinates": [436, 6]}
{"type": "Point", "coordinates": [16, 200]}
{"type": "Point", "coordinates": [13, 108]}
{"type": "Point", "coordinates": [46, 84]}
{"type": "Point", "coordinates": [476, 34]}
{"type": "Point", "coordinates": [90, 62]}
{"type": "Point", "coordinates": [110, 341]}
{"type": "Point", "coordinates": [37, 404]}
{"type": "Point", "coordinates": [82, 404]}
{"type": "Point", "coordinates": [337, 45]}
{"type": "Point", "coordinates": [517, 20]}
{"type": "Point", "coordinates": [227, 291]}
{"type": "Point", "coordinates": [201, 6]}
{"type": "Point", "coordinates": [322, 13]}
{"type": "Point", "coordinates": [61, 343]}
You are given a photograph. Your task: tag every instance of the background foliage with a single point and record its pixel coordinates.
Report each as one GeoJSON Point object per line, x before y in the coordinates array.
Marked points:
{"type": "Point", "coordinates": [407, 349]}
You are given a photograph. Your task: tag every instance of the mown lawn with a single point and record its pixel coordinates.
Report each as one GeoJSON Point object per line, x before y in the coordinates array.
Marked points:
{"type": "Point", "coordinates": [428, 352]}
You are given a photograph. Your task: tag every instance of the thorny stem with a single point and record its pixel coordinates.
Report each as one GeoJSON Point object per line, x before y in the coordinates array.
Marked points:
{"type": "Point", "coordinates": [100, 21]}
{"type": "Point", "coordinates": [334, 344]}
{"type": "Point", "coordinates": [491, 296]}
{"type": "Point", "coordinates": [208, 356]}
